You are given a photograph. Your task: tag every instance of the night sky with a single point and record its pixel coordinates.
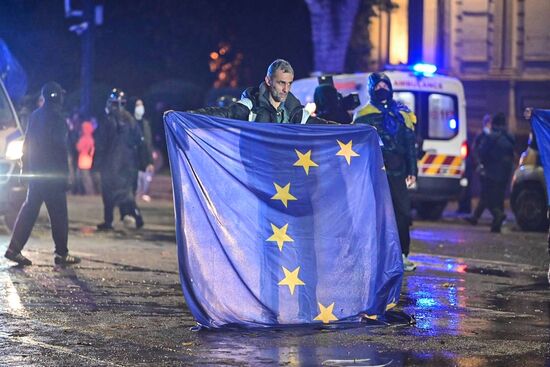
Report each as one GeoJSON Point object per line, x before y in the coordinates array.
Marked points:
{"type": "Point", "coordinates": [142, 43]}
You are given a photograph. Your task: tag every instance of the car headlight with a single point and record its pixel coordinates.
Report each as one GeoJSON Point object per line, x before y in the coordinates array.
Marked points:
{"type": "Point", "coordinates": [14, 150]}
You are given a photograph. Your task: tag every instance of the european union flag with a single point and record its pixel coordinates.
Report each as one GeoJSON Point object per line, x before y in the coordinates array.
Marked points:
{"type": "Point", "coordinates": [282, 224]}
{"type": "Point", "coordinates": [540, 121]}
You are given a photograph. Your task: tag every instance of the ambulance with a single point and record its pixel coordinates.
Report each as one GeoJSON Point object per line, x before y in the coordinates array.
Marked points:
{"type": "Point", "coordinates": [440, 107]}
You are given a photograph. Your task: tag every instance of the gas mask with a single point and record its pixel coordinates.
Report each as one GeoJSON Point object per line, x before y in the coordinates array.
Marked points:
{"type": "Point", "coordinates": [381, 95]}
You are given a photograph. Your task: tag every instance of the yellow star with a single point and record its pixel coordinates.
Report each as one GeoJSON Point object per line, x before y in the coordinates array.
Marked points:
{"type": "Point", "coordinates": [280, 236]}
{"type": "Point", "coordinates": [283, 194]}
{"type": "Point", "coordinates": [304, 160]}
{"type": "Point", "coordinates": [346, 151]}
{"type": "Point", "coordinates": [291, 279]}
{"type": "Point", "coordinates": [391, 305]}
{"type": "Point", "coordinates": [326, 314]}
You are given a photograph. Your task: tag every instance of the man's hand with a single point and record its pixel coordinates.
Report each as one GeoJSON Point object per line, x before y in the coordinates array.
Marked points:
{"type": "Point", "coordinates": [410, 181]}
{"type": "Point", "coordinates": [527, 113]}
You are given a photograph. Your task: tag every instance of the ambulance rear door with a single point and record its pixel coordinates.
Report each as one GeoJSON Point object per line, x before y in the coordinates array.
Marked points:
{"type": "Point", "coordinates": [439, 104]}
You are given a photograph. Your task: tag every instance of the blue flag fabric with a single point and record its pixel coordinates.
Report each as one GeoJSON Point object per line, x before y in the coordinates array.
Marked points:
{"type": "Point", "coordinates": [281, 224]}
{"type": "Point", "coordinates": [540, 122]}
{"type": "Point", "coordinates": [12, 73]}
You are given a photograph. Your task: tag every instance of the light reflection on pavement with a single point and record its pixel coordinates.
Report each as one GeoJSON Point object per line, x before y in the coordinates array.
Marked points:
{"type": "Point", "coordinates": [478, 299]}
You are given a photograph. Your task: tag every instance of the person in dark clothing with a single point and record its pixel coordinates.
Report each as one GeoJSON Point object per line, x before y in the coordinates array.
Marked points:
{"type": "Point", "coordinates": [480, 169]}
{"type": "Point", "coordinates": [394, 123]}
{"type": "Point", "coordinates": [119, 148]}
{"type": "Point", "coordinates": [272, 101]}
{"type": "Point", "coordinates": [327, 102]}
{"type": "Point", "coordinates": [144, 176]}
{"type": "Point", "coordinates": [496, 153]}
{"type": "Point", "coordinates": [45, 161]}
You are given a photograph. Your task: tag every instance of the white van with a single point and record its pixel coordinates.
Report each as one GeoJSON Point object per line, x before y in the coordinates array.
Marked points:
{"type": "Point", "coordinates": [12, 191]}
{"type": "Point", "coordinates": [439, 104]}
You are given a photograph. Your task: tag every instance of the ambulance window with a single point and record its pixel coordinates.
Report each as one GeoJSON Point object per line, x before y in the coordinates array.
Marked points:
{"type": "Point", "coordinates": [407, 98]}
{"type": "Point", "coordinates": [443, 121]}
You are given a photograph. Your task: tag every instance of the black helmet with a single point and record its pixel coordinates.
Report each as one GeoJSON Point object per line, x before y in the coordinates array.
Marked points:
{"type": "Point", "coordinates": [116, 100]}
{"type": "Point", "coordinates": [53, 93]}
{"type": "Point", "coordinates": [117, 95]}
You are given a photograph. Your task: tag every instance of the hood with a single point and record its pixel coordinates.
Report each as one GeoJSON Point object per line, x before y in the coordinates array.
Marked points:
{"type": "Point", "coordinates": [376, 78]}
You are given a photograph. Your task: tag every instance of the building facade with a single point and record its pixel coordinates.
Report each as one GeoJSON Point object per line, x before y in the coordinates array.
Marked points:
{"type": "Point", "coordinates": [500, 49]}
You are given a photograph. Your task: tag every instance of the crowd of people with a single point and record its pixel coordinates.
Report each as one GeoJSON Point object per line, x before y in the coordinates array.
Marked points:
{"type": "Point", "coordinates": [62, 154]}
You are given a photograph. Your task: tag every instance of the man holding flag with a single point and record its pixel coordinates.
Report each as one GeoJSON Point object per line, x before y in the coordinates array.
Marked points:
{"type": "Point", "coordinates": [279, 223]}
{"type": "Point", "coordinates": [272, 101]}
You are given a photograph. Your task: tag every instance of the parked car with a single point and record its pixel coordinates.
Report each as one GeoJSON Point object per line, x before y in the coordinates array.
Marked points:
{"type": "Point", "coordinates": [12, 191]}
{"type": "Point", "coordinates": [528, 198]}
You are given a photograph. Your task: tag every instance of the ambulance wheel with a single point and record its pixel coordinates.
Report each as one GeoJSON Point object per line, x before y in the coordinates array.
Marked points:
{"type": "Point", "coordinates": [430, 210]}
{"type": "Point", "coordinates": [530, 210]}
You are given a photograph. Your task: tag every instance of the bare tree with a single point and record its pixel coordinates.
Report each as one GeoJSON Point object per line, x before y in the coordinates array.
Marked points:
{"type": "Point", "coordinates": [341, 25]}
{"type": "Point", "coordinates": [331, 26]}
{"type": "Point", "coordinates": [360, 46]}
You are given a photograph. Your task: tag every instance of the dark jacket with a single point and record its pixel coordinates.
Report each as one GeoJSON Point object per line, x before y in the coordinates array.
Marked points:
{"type": "Point", "coordinates": [399, 149]}
{"type": "Point", "coordinates": [118, 140]}
{"type": "Point", "coordinates": [254, 105]}
{"type": "Point", "coordinates": [145, 128]}
{"type": "Point", "coordinates": [497, 155]}
{"type": "Point", "coordinates": [478, 142]}
{"type": "Point", "coordinates": [394, 123]}
{"type": "Point", "coordinates": [45, 151]}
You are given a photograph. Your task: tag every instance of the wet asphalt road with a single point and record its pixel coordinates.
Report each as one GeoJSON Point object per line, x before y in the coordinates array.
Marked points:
{"type": "Point", "coordinates": [479, 299]}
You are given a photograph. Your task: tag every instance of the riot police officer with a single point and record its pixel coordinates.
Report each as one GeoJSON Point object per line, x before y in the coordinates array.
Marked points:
{"type": "Point", "coordinates": [120, 153]}
{"type": "Point", "coordinates": [45, 162]}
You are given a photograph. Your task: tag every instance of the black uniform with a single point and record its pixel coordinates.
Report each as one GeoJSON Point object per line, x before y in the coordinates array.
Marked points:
{"type": "Point", "coordinates": [480, 169]}
{"type": "Point", "coordinates": [45, 159]}
{"type": "Point", "coordinates": [496, 152]}
{"type": "Point", "coordinates": [119, 144]}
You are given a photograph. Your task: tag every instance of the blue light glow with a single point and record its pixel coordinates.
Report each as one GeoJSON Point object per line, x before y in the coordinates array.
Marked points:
{"type": "Point", "coordinates": [452, 124]}
{"type": "Point", "coordinates": [426, 69]}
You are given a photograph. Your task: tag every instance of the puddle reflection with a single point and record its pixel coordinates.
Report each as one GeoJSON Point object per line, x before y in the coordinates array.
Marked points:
{"type": "Point", "coordinates": [293, 348]}
{"type": "Point", "coordinates": [437, 302]}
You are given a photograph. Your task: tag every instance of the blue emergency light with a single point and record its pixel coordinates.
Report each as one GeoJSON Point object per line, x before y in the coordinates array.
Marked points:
{"type": "Point", "coordinates": [426, 69]}
{"type": "Point", "coordinates": [452, 124]}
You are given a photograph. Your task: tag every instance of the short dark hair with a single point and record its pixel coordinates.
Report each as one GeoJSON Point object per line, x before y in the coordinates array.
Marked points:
{"type": "Point", "coordinates": [279, 64]}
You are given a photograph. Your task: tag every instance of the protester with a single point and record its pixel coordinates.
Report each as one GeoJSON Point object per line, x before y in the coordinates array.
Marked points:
{"type": "Point", "coordinates": [144, 176]}
{"type": "Point", "coordinates": [74, 128]}
{"type": "Point", "coordinates": [480, 169]}
{"type": "Point", "coordinates": [496, 153]}
{"type": "Point", "coordinates": [119, 145]}
{"type": "Point", "coordinates": [272, 101]}
{"type": "Point", "coordinates": [394, 123]}
{"type": "Point", "coordinates": [45, 162]}
{"type": "Point", "coordinates": [85, 148]}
